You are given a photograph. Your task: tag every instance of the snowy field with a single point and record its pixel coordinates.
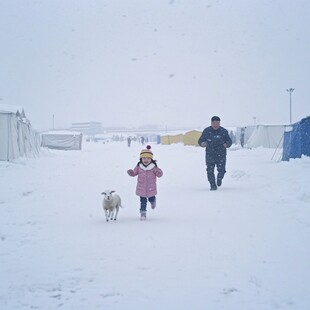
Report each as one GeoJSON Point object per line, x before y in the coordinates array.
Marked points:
{"type": "Point", "coordinates": [245, 246]}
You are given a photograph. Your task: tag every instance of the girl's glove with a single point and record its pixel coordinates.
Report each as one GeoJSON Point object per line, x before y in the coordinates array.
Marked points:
{"type": "Point", "coordinates": [130, 172]}
{"type": "Point", "coordinates": [159, 173]}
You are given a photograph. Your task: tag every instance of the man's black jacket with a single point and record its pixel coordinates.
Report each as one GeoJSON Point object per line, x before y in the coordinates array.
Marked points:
{"type": "Point", "coordinates": [215, 150]}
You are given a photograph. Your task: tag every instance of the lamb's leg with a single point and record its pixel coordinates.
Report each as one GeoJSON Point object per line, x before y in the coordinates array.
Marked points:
{"type": "Point", "coordinates": [116, 212]}
{"type": "Point", "coordinates": [106, 215]}
{"type": "Point", "coordinates": [111, 214]}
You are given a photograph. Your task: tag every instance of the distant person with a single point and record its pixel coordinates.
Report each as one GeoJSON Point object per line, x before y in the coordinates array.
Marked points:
{"type": "Point", "coordinates": [128, 141]}
{"type": "Point", "coordinates": [242, 134]}
{"type": "Point", "coordinates": [147, 172]}
{"type": "Point", "coordinates": [142, 140]}
{"type": "Point", "coordinates": [216, 140]}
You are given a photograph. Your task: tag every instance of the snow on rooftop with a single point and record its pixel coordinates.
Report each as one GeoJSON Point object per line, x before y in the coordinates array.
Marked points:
{"type": "Point", "coordinates": [61, 132]}
{"type": "Point", "coordinates": [11, 108]}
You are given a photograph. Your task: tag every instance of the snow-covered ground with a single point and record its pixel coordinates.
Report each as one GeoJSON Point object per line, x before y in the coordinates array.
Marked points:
{"type": "Point", "coordinates": [244, 246]}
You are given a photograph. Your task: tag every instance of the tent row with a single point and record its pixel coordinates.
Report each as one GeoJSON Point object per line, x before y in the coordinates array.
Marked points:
{"type": "Point", "coordinates": [188, 138]}
{"type": "Point", "coordinates": [17, 138]}
{"type": "Point", "coordinates": [293, 139]}
{"type": "Point", "coordinates": [191, 137]}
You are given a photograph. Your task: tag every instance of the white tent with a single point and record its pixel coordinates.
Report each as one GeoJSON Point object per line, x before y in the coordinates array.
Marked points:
{"type": "Point", "coordinates": [16, 135]}
{"type": "Point", "coordinates": [269, 136]}
{"type": "Point", "coordinates": [62, 140]}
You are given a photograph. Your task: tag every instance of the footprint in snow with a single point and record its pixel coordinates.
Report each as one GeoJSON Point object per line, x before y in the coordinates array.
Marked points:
{"type": "Point", "coordinates": [228, 291]}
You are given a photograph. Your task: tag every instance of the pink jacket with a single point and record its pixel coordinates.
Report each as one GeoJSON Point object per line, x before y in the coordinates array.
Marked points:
{"type": "Point", "coordinates": [146, 185]}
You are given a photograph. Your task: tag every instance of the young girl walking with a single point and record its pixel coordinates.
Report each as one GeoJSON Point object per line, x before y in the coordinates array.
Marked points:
{"type": "Point", "coordinates": [147, 172]}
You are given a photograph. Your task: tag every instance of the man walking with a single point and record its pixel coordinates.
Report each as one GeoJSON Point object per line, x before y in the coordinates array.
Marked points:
{"type": "Point", "coordinates": [216, 140]}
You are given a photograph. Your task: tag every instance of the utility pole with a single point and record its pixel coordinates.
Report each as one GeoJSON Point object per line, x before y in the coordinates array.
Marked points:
{"type": "Point", "coordinates": [290, 90]}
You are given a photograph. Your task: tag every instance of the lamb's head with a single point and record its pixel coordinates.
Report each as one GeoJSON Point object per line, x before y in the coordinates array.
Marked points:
{"type": "Point", "coordinates": [108, 195]}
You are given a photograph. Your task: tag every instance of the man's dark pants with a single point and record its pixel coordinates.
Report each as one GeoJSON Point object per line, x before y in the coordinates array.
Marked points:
{"type": "Point", "coordinates": [220, 165]}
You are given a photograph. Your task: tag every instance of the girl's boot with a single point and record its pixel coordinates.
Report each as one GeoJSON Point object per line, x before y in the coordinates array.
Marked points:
{"type": "Point", "coordinates": [143, 215]}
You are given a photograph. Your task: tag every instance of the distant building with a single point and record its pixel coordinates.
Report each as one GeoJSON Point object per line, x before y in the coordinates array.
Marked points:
{"type": "Point", "coordinates": [88, 128]}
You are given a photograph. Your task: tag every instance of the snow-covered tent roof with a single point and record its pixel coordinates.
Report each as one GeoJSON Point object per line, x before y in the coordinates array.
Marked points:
{"type": "Point", "coordinates": [16, 135]}
{"type": "Point", "coordinates": [18, 110]}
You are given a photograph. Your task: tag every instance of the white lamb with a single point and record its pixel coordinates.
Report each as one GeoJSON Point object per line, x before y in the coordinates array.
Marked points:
{"type": "Point", "coordinates": [111, 204]}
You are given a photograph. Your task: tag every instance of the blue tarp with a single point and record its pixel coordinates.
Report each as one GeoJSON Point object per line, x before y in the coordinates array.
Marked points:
{"type": "Point", "coordinates": [297, 140]}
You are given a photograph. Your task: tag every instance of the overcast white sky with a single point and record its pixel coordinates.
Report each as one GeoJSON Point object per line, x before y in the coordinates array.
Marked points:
{"type": "Point", "coordinates": [165, 62]}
